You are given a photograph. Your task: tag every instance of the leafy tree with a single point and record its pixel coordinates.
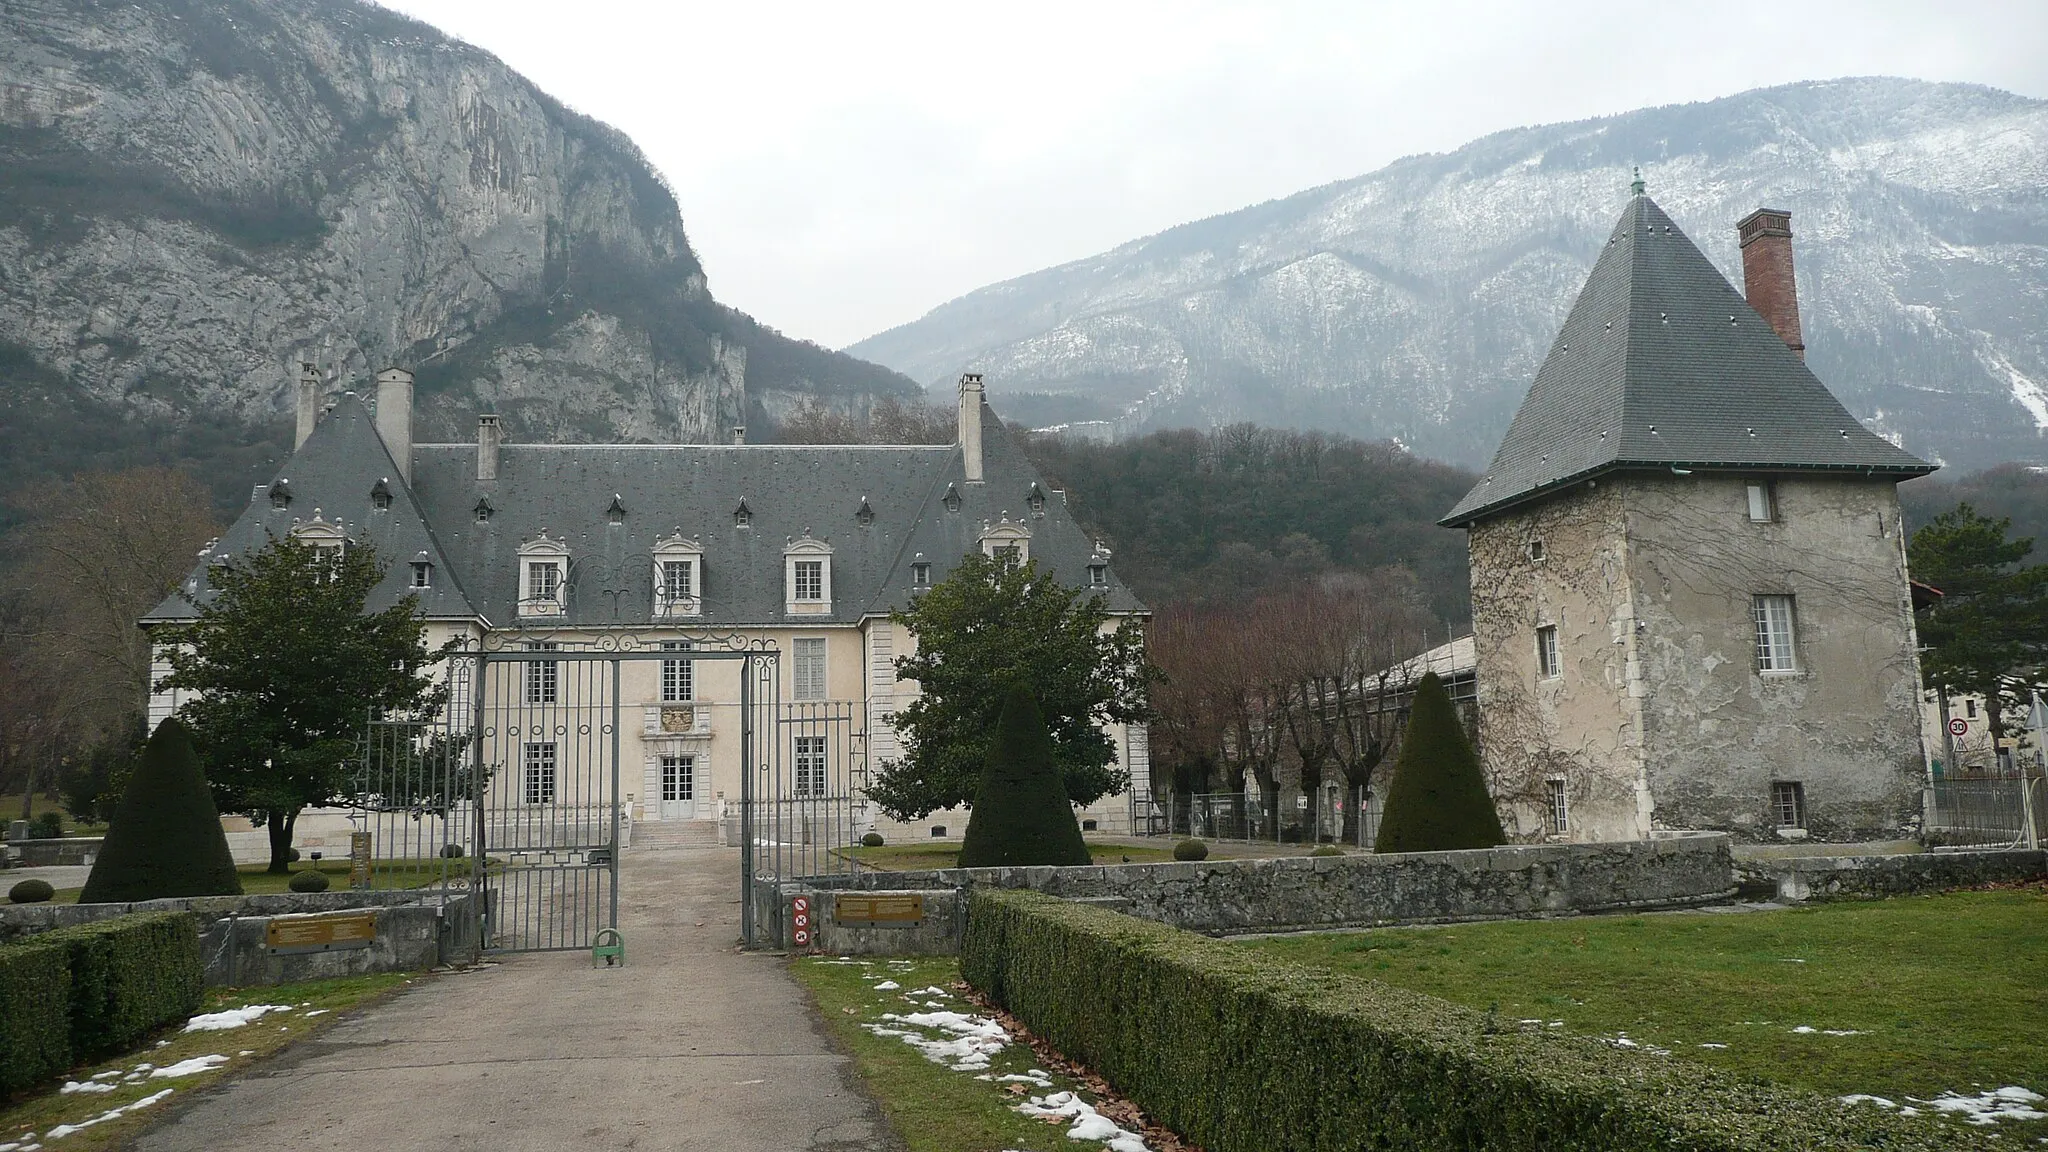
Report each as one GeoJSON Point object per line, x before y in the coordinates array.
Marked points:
{"type": "Point", "coordinates": [288, 667]}
{"type": "Point", "coordinates": [1438, 801]}
{"type": "Point", "coordinates": [1021, 813]}
{"type": "Point", "coordinates": [165, 839]}
{"type": "Point", "coordinates": [1988, 633]}
{"type": "Point", "coordinates": [991, 623]}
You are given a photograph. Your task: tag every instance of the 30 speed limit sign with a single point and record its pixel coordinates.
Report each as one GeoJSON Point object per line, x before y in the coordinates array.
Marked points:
{"type": "Point", "coordinates": [1958, 726]}
{"type": "Point", "coordinates": [800, 917]}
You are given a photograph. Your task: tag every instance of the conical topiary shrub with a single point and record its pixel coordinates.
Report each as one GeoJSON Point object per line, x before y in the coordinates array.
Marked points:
{"type": "Point", "coordinates": [165, 838]}
{"type": "Point", "coordinates": [1438, 800]}
{"type": "Point", "coordinates": [1021, 814]}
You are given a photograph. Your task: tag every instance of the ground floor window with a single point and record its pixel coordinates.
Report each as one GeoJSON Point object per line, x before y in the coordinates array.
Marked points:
{"type": "Point", "coordinates": [678, 779]}
{"type": "Point", "coordinates": [1788, 804]}
{"type": "Point", "coordinates": [540, 773]}
{"type": "Point", "coordinates": [1559, 815]}
{"type": "Point", "coordinates": [807, 775]}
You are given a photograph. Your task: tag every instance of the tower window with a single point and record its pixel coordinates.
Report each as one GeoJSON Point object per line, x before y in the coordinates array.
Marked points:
{"type": "Point", "coordinates": [1775, 643]}
{"type": "Point", "coordinates": [1788, 804]}
{"type": "Point", "coordinates": [1560, 807]}
{"type": "Point", "coordinates": [1547, 664]}
{"type": "Point", "coordinates": [1536, 550]}
{"type": "Point", "coordinates": [1763, 501]}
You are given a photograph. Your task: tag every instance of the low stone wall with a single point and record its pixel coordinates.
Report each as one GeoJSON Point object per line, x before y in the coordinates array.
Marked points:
{"type": "Point", "coordinates": [415, 932]}
{"type": "Point", "coordinates": [1800, 878]}
{"type": "Point", "coordinates": [1296, 893]}
{"type": "Point", "coordinates": [56, 852]}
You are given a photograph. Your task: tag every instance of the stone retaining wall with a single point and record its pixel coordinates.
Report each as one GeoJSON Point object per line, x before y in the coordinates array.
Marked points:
{"type": "Point", "coordinates": [1799, 878]}
{"type": "Point", "coordinates": [415, 932]}
{"type": "Point", "coordinates": [1296, 893]}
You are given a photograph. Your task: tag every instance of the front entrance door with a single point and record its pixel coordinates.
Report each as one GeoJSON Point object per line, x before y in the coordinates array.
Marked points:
{"type": "Point", "coordinates": [678, 787]}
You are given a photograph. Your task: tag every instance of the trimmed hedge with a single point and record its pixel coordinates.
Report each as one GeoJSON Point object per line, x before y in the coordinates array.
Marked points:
{"type": "Point", "coordinates": [1241, 1053]}
{"type": "Point", "coordinates": [76, 994]}
{"type": "Point", "coordinates": [35, 998]}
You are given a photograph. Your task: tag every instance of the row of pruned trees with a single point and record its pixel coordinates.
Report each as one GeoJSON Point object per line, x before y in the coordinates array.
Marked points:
{"type": "Point", "coordinates": [1298, 686]}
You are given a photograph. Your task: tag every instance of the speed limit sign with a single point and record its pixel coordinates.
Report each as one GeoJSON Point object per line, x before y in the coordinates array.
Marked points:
{"type": "Point", "coordinates": [1958, 726]}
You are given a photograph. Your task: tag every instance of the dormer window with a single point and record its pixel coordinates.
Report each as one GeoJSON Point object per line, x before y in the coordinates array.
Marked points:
{"type": "Point", "coordinates": [678, 577]}
{"type": "Point", "coordinates": [380, 496]}
{"type": "Point", "coordinates": [742, 516]}
{"type": "Point", "coordinates": [1007, 541]}
{"type": "Point", "coordinates": [864, 515]}
{"type": "Point", "coordinates": [952, 498]}
{"type": "Point", "coordinates": [281, 494]}
{"type": "Point", "coordinates": [328, 542]}
{"type": "Point", "coordinates": [1098, 575]}
{"type": "Point", "coordinates": [1036, 499]}
{"type": "Point", "coordinates": [920, 573]}
{"type": "Point", "coordinates": [807, 577]}
{"type": "Point", "coordinates": [544, 577]}
{"type": "Point", "coordinates": [483, 510]}
{"type": "Point", "coordinates": [616, 514]}
{"type": "Point", "coordinates": [422, 574]}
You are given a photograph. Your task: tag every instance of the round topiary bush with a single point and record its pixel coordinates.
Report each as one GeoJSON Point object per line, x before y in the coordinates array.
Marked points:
{"type": "Point", "coordinates": [31, 892]}
{"type": "Point", "coordinates": [451, 851]}
{"type": "Point", "coordinates": [1191, 850]}
{"type": "Point", "coordinates": [291, 855]}
{"type": "Point", "coordinates": [1327, 850]}
{"type": "Point", "coordinates": [310, 880]}
{"type": "Point", "coordinates": [871, 840]}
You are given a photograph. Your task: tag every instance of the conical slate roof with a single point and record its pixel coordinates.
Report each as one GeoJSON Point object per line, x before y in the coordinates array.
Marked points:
{"type": "Point", "coordinates": [1663, 364]}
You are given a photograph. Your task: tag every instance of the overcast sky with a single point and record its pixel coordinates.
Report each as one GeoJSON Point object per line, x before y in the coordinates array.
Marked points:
{"type": "Point", "coordinates": [845, 167]}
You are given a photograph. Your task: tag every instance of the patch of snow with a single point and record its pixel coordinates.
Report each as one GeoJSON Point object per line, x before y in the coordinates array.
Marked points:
{"type": "Point", "coordinates": [232, 1018]}
{"type": "Point", "coordinates": [72, 1087]}
{"type": "Point", "coordinates": [107, 1075]}
{"type": "Point", "coordinates": [1810, 1030]}
{"type": "Point", "coordinates": [190, 1067]}
{"type": "Point", "coordinates": [63, 1130]}
{"type": "Point", "coordinates": [887, 986]}
{"type": "Point", "coordinates": [1088, 1124]}
{"type": "Point", "coordinates": [1713, 1045]}
{"type": "Point", "coordinates": [317, 1012]}
{"type": "Point", "coordinates": [972, 1041]}
{"type": "Point", "coordinates": [2008, 1103]}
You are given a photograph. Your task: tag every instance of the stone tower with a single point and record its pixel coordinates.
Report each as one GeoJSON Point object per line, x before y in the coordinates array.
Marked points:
{"type": "Point", "coordinates": [1689, 590]}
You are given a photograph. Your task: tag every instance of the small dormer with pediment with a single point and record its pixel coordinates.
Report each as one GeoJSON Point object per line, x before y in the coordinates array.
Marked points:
{"type": "Point", "coordinates": [326, 537]}
{"type": "Point", "coordinates": [543, 576]}
{"type": "Point", "coordinates": [1006, 538]}
{"type": "Point", "coordinates": [678, 576]}
{"type": "Point", "coordinates": [807, 576]}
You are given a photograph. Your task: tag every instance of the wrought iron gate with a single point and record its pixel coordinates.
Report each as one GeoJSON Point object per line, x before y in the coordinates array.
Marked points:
{"type": "Point", "coordinates": [803, 798]}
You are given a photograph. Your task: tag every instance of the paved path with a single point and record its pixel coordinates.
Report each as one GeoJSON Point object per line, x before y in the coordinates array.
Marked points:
{"type": "Point", "coordinates": [692, 1046]}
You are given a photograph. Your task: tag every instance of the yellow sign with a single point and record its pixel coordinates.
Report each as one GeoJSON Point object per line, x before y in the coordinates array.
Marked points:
{"type": "Point", "coordinates": [359, 859]}
{"type": "Point", "coordinates": [879, 909]}
{"type": "Point", "coordinates": [321, 933]}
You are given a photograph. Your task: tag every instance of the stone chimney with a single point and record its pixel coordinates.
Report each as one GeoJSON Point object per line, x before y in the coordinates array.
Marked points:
{"type": "Point", "coordinates": [739, 433]}
{"type": "Point", "coordinates": [1767, 273]}
{"type": "Point", "coordinates": [309, 403]}
{"type": "Point", "coordinates": [488, 437]}
{"type": "Point", "coordinates": [970, 425]}
{"type": "Point", "coordinates": [394, 417]}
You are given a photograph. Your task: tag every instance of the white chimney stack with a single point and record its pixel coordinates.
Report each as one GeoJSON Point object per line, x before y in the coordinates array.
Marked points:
{"type": "Point", "coordinates": [488, 436]}
{"type": "Point", "coordinates": [394, 417]}
{"type": "Point", "coordinates": [739, 434]}
{"type": "Point", "coordinates": [970, 425]}
{"type": "Point", "coordinates": [309, 403]}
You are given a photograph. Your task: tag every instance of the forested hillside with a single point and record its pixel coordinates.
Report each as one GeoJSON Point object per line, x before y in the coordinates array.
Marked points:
{"type": "Point", "coordinates": [1228, 513]}
{"type": "Point", "coordinates": [2009, 490]}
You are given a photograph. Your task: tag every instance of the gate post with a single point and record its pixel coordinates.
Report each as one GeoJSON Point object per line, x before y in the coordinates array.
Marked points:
{"type": "Point", "coordinates": [617, 797]}
{"type": "Point", "coordinates": [747, 926]}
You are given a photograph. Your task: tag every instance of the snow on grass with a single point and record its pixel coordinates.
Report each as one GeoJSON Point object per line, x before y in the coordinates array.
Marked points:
{"type": "Point", "coordinates": [190, 1067]}
{"type": "Point", "coordinates": [971, 1042]}
{"type": "Point", "coordinates": [63, 1130]}
{"type": "Point", "coordinates": [887, 986]}
{"type": "Point", "coordinates": [2011, 1102]}
{"type": "Point", "coordinates": [232, 1018]}
{"type": "Point", "coordinates": [1810, 1030]}
{"type": "Point", "coordinates": [72, 1087]}
{"type": "Point", "coordinates": [1088, 1124]}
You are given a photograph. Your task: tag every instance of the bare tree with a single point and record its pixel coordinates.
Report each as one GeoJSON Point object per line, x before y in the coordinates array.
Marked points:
{"type": "Point", "coordinates": [888, 421]}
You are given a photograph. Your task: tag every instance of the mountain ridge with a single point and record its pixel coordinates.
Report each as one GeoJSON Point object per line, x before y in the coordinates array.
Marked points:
{"type": "Point", "coordinates": [1414, 302]}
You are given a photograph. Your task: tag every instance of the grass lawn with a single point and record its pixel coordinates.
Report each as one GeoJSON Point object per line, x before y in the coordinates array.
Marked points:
{"type": "Point", "coordinates": [1943, 992]}
{"type": "Point", "coordinates": [385, 874]}
{"type": "Point", "coordinates": [10, 811]}
{"type": "Point", "coordinates": [307, 1008]}
{"type": "Point", "coordinates": [932, 1106]}
{"type": "Point", "coordinates": [945, 853]}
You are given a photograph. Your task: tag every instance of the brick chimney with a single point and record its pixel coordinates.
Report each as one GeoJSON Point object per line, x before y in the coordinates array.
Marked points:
{"type": "Point", "coordinates": [970, 425]}
{"type": "Point", "coordinates": [488, 436]}
{"type": "Point", "coordinates": [1767, 273]}
{"type": "Point", "coordinates": [394, 417]}
{"type": "Point", "coordinates": [309, 403]}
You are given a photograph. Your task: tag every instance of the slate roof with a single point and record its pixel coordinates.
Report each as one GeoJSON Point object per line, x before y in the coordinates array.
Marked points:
{"type": "Point", "coordinates": [1662, 363]}
{"type": "Point", "coordinates": [333, 476]}
{"type": "Point", "coordinates": [791, 491]}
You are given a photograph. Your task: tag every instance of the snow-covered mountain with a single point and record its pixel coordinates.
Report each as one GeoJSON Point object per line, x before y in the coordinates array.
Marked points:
{"type": "Point", "coordinates": [1416, 302]}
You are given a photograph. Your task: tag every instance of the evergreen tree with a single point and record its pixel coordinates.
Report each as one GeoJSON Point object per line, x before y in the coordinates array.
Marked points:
{"type": "Point", "coordinates": [1021, 813]}
{"type": "Point", "coordinates": [1988, 633]}
{"type": "Point", "coordinates": [165, 839]}
{"type": "Point", "coordinates": [1438, 801]}
{"type": "Point", "coordinates": [287, 666]}
{"type": "Point", "coordinates": [991, 623]}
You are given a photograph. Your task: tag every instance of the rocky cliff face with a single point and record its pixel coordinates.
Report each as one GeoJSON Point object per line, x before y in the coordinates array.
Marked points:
{"type": "Point", "coordinates": [197, 195]}
{"type": "Point", "coordinates": [1416, 302]}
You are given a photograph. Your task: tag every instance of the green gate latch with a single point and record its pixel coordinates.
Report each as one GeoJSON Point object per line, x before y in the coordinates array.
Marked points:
{"type": "Point", "coordinates": [610, 946]}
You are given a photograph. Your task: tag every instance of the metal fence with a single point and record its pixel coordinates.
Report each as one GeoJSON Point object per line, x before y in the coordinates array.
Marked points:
{"type": "Point", "coordinates": [1247, 816]}
{"type": "Point", "coordinates": [1992, 812]}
